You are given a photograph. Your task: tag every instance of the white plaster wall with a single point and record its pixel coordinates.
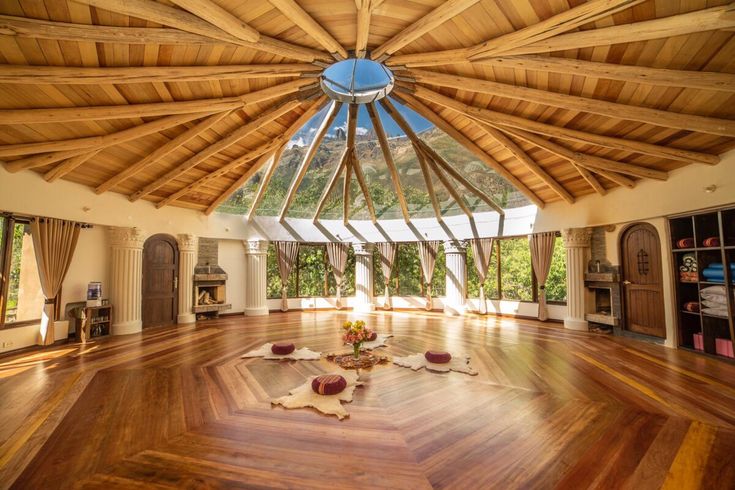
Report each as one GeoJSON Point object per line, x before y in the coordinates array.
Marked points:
{"type": "Point", "coordinates": [232, 260]}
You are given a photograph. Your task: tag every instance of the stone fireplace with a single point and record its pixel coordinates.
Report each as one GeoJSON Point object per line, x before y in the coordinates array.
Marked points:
{"type": "Point", "coordinates": [210, 282]}
{"type": "Point", "coordinates": [607, 307]}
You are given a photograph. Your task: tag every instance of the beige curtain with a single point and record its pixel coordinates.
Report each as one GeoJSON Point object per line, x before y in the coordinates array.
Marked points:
{"type": "Point", "coordinates": [54, 242]}
{"type": "Point", "coordinates": [286, 254]}
{"type": "Point", "coordinates": [482, 250]}
{"type": "Point", "coordinates": [387, 259]}
{"type": "Point", "coordinates": [427, 255]}
{"type": "Point", "coordinates": [337, 254]}
{"type": "Point", "coordinates": [542, 250]}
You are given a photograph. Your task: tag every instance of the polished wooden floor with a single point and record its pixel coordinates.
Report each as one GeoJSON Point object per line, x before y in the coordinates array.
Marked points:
{"type": "Point", "coordinates": [178, 408]}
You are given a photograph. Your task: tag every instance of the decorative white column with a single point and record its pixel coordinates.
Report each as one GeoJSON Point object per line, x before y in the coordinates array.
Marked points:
{"type": "Point", "coordinates": [187, 262]}
{"type": "Point", "coordinates": [256, 277]}
{"type": "Point", "coordinates": [455, 252]}
{"type": "Point", "coordinates": [126, 281]}
{"type": "Point", "coordinates": [363, 276]}
{"type": "Point", "coordinates": [577, 243]}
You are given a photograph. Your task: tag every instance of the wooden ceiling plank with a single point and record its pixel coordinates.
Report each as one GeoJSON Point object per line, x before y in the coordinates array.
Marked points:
{"type": "Point", "coordinates": [460, 178]}
{"type": "Point", "coordinates": [442, 124]}
{"type": "Point", "coordinates": [585, 160]}
{"type": "Point", "coordinates": [233, 137]}
{"type": "Point", "coordinates": [625, 73]}
{"type": "Point", "coordinates": [102, 142]}
{"type": "Point", "coordinates": [306, 22]}
{"type": "Point", "coordinates": [286, 88]}
{"type": "Point", "coordinates": [332, 183]}
{"type": "Point", "coordinates": [433, 166]}
{"type": "Point", "coordinates": [687, 122]}
{"type": "Point", "coordinates": [427, 23]}
{"type": "Point", "coordinates": [388, 157]}
{"type": "Point", "coordinates": [35, 75]}
{"type": "Point", "coordinates": [217, 16]}
{"type": "Point", "coordinates": [309, 156]}
{"type": "Point", "coordinates": [265, 181]}
{"type": "Point", "coordinates": [162, 151]}
{"type": "Point", "coordinates": [531, 164]}
{"type": "Point", "coordinates": [565, 133]}
{"type": "Point", "coordinates": [123, 111]}
{"type": "Point", "coordinates": [557, 24]}
{"type": "Point", "coordinates": [274, 144]}
{"type": "Point", "coordinates": [621, 180]}
{"type": "Point", "coordinates": [69, 165]}
{"type": "Point", "coordinates": [247, 175]}
{"type": "Point", "coordinates": [63, 31]}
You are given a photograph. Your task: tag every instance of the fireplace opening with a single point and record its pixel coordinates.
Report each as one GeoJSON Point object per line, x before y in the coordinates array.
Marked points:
{"type": "Point", "coordinates": [210, 294]}
{"type": "Point", "coordinates": [603, 301]}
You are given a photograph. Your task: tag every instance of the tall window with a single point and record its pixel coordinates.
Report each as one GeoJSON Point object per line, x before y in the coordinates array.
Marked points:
{"type": "Point", "coordinates": [491, 278]}
{"type": "Point", "coordinates": [516, 275]}
{"type": "Point", "coordinates": [408, 271]}
{"type": "Point", "coordinates": [312, 271]}
{"type": "Point", "coordinates": [556, 282]}
{"type": "Point", "coordinates": [20, 288]}
{"type": "Point", "coordinates": [348, 283]}
{"type": "Point", "coordinates": [274, 277]}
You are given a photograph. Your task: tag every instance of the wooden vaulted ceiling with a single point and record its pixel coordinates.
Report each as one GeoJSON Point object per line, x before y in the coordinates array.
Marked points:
{"type": "Point", "coordinates": [180, 102]}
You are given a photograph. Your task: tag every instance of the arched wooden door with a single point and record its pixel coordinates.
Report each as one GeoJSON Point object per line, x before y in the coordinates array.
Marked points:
{"type": "Point", "coordinates": [160, 280]}
{"type": "Point", "coordinates": [640, 252]}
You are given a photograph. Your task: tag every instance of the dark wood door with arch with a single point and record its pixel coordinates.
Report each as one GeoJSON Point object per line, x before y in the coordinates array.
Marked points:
{"type": "Point", "coordinates": [640, 253]}
{"type": "Point", "coordinates": [160, 280]}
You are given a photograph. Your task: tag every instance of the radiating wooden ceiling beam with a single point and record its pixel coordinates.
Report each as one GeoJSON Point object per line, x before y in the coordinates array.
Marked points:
{"type": "Point", "coordinates": [264, 181]}
{"type": "Point", "coordinates": [332, 183]}
{"type": "Point", "coordinates": [562, 132]}
{"type": "Point", "coordinates": [662, 77]}
{"type": "Point", "coordinates": [306, 22]}
{"type": "Point", "coordinates": [590, 161]}
{"type": "Point", "coordinates": [233, 137]}
{"type": "Point", "coordinates": [364, 14]}
{"type": "Point", "coordinates": [489, 161]}
{"type": "Point", "coordinates": [362, 183]}
{"type": "Point", "coordinates": [687, 122]}
{"type": "Point", "coordinates": [433, 166]}
{"type": "Point", "coordinates": [102, 142]}
{"type": "Point", "coordinates": [557, 24]}
{"type": "Point", "coordinates": [433, 19]}
{"type": "Point", "coordinates": [301, 85]}
{"type": "Point", "coordinates": [242, 180]}
{"type": "Point", "coordinates": [443, 164]}
{"type": "Point", "coordinates": [308, 157]}
{"type": "Point", "coordinates": [426, 173]}
{"type": "Point", "coordinates": [69, 165]}
{"type": "Point", "coordinates": [35, 75]}
{"type": "Point", "coordinates": [185, 21]}
{"type": "Point", "coordinates": [162, 151]}
{"type": "Point", "coordinates": [217, 16]}
{"type": "Point", "coordinates": [528, 162]}
{"type": "Point", "coordinates": [676, 25]}
{"type": "Point", "coordinates": [590, 179]}
{"type": "Point", "coordinates": [346, 194]}
{"type": "Point", "coordinates": [388, 157]}
{"type": "Point", "coordinates": [314, 106]}
{"type": "Point", "coordinates": [123, 111]}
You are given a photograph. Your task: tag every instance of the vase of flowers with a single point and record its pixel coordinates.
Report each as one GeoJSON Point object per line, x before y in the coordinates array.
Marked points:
{"type": "Point", "coordinates": [355, 333]}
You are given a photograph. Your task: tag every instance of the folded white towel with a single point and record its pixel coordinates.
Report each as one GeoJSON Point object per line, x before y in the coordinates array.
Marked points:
{"type": "Point", "coordinates": [715, 298]}
{"type": "Point", "coordinates": [714, 289]}
{"type": "Point", "coordinates": [715, 311]}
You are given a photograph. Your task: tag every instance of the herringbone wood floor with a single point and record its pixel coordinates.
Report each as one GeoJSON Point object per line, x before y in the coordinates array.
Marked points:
{"type": "Point", "coordinates": [177, 407]}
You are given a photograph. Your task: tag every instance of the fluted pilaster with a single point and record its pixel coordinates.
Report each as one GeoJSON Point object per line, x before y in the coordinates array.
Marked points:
{"type": "Point", "coordinates": [126, 280]}
{"type": "Point", "coordinates": [187, 262]}
{"type": "Point", "coordinates": [577, 244]}
{"type": "Point", "coordinates": [455, 252]}
{"type": "Point", "coordinates": [363, 276]}
{"type": "Point", "coordinates": [256, 255]}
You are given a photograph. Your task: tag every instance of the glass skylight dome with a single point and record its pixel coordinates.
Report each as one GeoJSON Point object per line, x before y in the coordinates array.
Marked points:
{"type": "Point", "coordinates": [357, 81]}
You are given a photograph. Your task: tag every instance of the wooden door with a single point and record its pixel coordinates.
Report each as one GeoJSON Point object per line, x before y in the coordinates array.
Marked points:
{"type": "Point", "coordinates": [640, 252]}
{"type": "Point", "coordinates": [160, 281]}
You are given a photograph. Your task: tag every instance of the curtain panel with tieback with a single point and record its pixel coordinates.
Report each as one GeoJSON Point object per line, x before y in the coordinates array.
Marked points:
{"type": "Point", "coordinates": [387, 259]}
{"type": "Point", "coordinates": [427, 255]}
{"type": "Point", "coordinates": [337, 254]}
{"type": "Point", "coordinates": [482, 250]}
{"type": "Point", "coordinates": [54, 242]}
{"type": "Point", "coordinates": [542, 251]}
{"type": "Point", "coordinates": [286, 254]}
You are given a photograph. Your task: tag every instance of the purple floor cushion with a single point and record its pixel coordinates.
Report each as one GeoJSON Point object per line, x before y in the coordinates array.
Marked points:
{"type": "Point", "coordinates": [438, 357]}
{"type": "Point", "coordinates": [282, 348]}
{"type": "Point", "coordinates": [328, 384]}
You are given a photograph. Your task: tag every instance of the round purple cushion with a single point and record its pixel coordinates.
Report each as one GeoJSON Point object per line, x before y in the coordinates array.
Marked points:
{"type": "Point", "coordinates": [438, 357]}
{"type": "Point", "coordinates": [373, 336]}
{"type": "Point", "coordinates": [328, 384]}
{"type": "Point", "coordinates": [282, 348]}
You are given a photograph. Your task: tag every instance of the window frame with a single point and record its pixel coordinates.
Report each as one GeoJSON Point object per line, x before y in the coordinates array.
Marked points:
{"type": "Point", "coordinates": [6, 250]}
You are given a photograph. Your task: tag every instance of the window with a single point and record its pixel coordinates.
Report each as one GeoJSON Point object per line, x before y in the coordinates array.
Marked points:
{"type": "Point", "coordinates": [274, 277]}
{"type": "Point", "coordinates": [491, 278]}
{"type": "Point", "coordinates": [556, 282]}
{"type": "Point", "coordinates": [312, 271]}
{"type": "Point", "coordinates": [408, 271]}
{"type": "Point", "coordinates": [21, 289]}
{"type": "Point", "coordinates": [439, 279]}
{"type": "Point", "coordinates": [348, 283]}
{"type": "Point", "coordinates": [516, 275]}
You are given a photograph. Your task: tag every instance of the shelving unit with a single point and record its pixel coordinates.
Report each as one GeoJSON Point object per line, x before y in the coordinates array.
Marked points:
{"type": "Point", "coordinates": [99, 319]}
{"type": "Point", "coordinates": [716, 329]}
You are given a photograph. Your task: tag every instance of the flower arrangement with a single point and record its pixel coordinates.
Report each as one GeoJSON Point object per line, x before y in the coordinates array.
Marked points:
{"type": "Point", "coordinates": [355, 333]}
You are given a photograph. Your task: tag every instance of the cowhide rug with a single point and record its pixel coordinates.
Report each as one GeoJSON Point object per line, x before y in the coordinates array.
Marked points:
{"type": "Point", "coordinates": [303, 396]}
{"type": "Point", "coordinates": [460, 364]}
{"type": "Point", "coordinates": [303, 354]}
{"type": "Point", "coordinates": [378, 342]}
